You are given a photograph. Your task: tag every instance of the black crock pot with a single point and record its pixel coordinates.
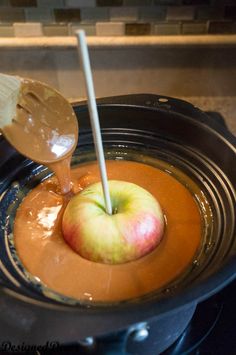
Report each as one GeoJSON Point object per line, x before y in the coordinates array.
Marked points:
{"type": "Point", "coordinates": [166, 128]}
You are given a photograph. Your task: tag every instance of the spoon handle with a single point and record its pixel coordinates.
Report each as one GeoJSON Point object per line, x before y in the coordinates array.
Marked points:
{"type": "Point", "coordinates": [9, 93]}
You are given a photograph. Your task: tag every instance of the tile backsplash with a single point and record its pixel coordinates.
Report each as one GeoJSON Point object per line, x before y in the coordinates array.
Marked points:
{"type": "Point", "coordinates": [116, 17]}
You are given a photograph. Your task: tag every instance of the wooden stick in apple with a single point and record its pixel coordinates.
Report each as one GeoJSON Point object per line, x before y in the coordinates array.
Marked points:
{"type": "Point", "coordinates": [94, 117]}
{"type": "Point", "coordinates": [113, 222]}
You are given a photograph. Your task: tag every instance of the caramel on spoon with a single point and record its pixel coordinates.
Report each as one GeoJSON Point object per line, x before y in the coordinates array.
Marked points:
{"type": "Point", "coordinates": [40, 123]}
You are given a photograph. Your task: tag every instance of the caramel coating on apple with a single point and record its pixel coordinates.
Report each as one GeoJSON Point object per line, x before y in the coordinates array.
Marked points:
{"type": "Point", "coordinates": [134, 229]}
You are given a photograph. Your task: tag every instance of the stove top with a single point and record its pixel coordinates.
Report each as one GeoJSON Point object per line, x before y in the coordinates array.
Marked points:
{"type": "Point", "coordinates": [212, 328]}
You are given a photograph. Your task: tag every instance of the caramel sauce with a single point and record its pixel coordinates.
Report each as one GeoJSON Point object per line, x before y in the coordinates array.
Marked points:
{"type": "Point", "coordinates": [45, 254]}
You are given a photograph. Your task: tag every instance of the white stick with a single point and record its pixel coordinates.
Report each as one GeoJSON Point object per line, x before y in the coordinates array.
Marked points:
{"type": "Point", "coordinates": [94, 117]}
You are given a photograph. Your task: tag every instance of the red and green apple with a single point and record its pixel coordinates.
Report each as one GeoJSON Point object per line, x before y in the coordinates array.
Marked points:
{"type": "Point", "coordinates": [134, 229]}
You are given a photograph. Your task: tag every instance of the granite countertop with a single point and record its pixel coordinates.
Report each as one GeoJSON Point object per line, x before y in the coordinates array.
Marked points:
{"type": "Point", "coordinates": [224, 105]}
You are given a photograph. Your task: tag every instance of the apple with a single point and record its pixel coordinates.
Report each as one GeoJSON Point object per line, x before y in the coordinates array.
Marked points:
{"type": "Point", "coordinates": [134, 229]}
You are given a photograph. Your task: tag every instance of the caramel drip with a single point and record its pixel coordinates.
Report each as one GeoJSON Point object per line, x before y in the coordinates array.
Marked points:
{"type": "Point", "coordinates": [62, 170]}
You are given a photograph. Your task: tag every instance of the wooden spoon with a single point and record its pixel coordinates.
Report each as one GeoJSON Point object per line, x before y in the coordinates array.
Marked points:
{"type": "Point", "coordinates": [37, 120]}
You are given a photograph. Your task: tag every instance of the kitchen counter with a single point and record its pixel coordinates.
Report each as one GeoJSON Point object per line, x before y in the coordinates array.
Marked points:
{"type": "Point", "coordinates": [224, 105]}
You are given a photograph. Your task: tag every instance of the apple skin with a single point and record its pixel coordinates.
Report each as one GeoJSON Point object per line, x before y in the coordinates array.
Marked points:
{"type": "Point", "coordinates": [134, 229]}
